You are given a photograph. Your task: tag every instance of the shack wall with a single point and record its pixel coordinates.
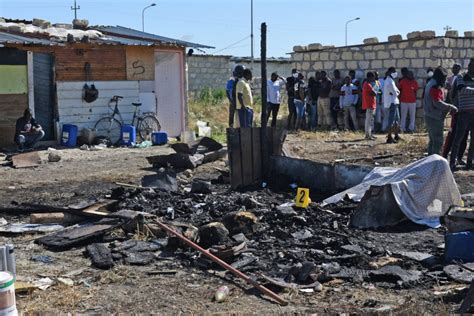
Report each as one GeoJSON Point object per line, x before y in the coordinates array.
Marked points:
{"type": "Point", "coordinates": [74, 110]}
{"type": "Point", "coordinates": [13, 91]}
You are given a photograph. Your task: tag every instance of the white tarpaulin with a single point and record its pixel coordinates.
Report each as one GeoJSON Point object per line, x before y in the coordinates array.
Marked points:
{"type": "Point", "coordinates": [424, 190]}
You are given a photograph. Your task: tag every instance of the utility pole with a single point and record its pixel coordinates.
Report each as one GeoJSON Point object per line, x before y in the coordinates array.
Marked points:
{"type": "Point", "coordinates": [75, 8]}
{"type": "Point", "coordinates": [251, 35]}
{"type": "Point", "coordinates": [447, 28]}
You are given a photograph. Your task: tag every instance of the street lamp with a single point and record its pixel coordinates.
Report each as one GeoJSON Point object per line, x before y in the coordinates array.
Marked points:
{"type": "Point", "coordinates": [143, 15]}
{"type": "Point", "coordinates": [348, 23]}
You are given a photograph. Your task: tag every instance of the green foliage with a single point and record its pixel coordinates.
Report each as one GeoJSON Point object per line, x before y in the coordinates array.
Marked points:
{"type": "Point", "coordinates": [212, 96]}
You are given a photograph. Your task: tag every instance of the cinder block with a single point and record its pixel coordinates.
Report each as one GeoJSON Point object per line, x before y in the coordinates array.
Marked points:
{"type": "Point", "coordinates": [371, 40]}
{"type": "Point", "coordinates": [413, 35]}
{"type": "Point", "coordinates": [395, 38]}
{"type": "Point", "coordinates": [452, 33]}
{"type": "Point", "coordinates": [469, 34]}
{"type": "Point", "coordinates": [428, 34]}
{"type": "Point", "coordinates": [314, 46]}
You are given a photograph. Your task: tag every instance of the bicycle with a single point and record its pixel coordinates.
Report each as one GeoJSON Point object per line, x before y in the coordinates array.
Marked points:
{"type": "Point", "coordinates": [110, 127]}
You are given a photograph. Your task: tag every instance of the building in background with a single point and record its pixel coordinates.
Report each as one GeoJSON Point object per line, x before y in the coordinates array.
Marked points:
{"type": "Point", "coordinates": [44, 67]}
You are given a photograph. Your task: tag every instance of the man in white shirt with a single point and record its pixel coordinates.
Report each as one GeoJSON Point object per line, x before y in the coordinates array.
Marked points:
{"type": "Point", "coordinates": [274, 86]}
{"type": "Point", "coordinates": [391, 102]}
{"type": "Point", "coordinates": [348, 101]}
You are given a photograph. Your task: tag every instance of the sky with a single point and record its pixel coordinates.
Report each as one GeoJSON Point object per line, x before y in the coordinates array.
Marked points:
{"type": "Point", "coordinates": [225, 24]}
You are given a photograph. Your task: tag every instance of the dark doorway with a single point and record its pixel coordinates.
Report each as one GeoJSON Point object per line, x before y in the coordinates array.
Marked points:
{"type": "Point", "coordinates": [43, 92]}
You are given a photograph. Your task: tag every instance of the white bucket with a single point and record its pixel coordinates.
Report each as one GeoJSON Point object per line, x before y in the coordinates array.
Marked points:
{"type": "Point", "coordinates": [7, 294]}
{"type": "Point", "coordinates": [188, 137]}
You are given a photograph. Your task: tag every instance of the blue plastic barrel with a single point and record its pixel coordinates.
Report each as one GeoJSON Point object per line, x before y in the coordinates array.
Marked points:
{"type": "Point", "coordinates": [69, 135]}
{"type": "Point", "coordinates": [128, 135]}
{"type": "Point", "coordinates": [159, 138]}
{"type": "Point", "coordinates": [459, 246]}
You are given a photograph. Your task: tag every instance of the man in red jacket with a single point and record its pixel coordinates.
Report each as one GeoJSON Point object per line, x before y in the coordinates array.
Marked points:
{"type": "Point", "coordinates": [369, 104]}
{"type": "Point", "coordinates": [408, 88]}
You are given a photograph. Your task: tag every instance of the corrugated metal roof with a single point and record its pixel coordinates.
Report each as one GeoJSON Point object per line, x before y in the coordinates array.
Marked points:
{"type": "Point", "coordinates": [128, 32]}
{"type": "Point", "coordinates": [8, 38]}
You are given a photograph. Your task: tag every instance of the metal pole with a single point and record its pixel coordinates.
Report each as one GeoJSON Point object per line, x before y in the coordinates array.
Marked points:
{"type": "Point", "coordinates": [143, 15]}
{"type": "Point", "coordinates": [223, 264]}
{"type": "Point", "coordinates": [251, 35]}
{"type": "Point", "coordinates": [348, 23]}
{"type": "Point", "coordinates": [346, 31]}
{"type": "Point", "coordinates": [263, 70]}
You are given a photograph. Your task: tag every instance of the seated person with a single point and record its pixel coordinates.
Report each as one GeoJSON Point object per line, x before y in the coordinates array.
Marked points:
{"type": "Point", "coordinates": [28, 132]}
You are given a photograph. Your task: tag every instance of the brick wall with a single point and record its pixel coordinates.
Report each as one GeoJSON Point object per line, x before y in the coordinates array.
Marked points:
{"type": "Point", "coordinates": [417, 53]}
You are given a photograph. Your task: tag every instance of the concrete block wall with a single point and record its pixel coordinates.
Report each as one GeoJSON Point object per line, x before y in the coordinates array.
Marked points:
{"type": "Point", "coordinates": [209, 71]}
{"type": "Point", "coordinates": [417, 54]}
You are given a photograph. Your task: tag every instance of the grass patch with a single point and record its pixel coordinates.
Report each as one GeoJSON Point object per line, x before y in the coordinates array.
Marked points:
{"type": "Point", "coordinates": [212, 106]}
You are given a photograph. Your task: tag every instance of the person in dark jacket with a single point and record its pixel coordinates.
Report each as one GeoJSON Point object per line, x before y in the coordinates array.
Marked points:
{"type": "Point", "coordinates": [28, 132]}
{"type": "Point", "coordinates": [436, 109]}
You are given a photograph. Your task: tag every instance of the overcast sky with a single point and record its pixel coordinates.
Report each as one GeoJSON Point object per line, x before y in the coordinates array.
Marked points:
{"type": "Point", "coordinates": [225, 24]}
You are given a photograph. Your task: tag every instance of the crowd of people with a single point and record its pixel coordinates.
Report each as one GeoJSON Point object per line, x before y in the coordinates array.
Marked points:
{"type": "Point", "coordinates": [389, 103]}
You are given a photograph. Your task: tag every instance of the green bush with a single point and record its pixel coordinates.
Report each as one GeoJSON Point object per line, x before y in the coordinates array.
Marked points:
{"type": "Point", "coordinates": [212, 96]}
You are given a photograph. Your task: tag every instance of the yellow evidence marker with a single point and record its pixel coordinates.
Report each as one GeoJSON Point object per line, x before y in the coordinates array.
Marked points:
{"type": "Point", "coordinates": [302, 198]}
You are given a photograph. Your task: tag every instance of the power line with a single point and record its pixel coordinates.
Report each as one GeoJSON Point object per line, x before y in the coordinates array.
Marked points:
{"type": "Point", "coordinates": [233, 44]}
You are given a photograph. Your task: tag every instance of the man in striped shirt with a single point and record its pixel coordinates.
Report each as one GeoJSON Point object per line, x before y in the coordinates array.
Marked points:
{"type": "Point", "coordinates": [465, 117]}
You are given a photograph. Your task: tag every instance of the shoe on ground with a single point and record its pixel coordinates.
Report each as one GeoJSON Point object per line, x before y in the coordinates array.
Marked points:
{"type": "Point", "coordinates": [397, 138]}
{"type": "Point", "coordinates": [453, 167]}
{"type": "Point", "coordinates": [461, 162]}
{"type": "Point", "coordinates": [390, 140]}
{"type": "Point", "coordinates": [373, 137]}
{"type": "Point", "coordinates": [469, 166]}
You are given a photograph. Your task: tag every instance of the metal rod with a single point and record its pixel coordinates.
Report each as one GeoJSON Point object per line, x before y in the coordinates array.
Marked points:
{"type": "Point", "coordinates": [223, 264]}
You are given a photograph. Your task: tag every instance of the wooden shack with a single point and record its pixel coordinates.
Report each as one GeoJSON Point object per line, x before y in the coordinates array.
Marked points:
{"type": "Point", "coordinates": [48, 74]}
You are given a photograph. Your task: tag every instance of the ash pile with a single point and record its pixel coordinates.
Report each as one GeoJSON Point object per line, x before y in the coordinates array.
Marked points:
{"type": "Point", "coordinates": [261, 233]}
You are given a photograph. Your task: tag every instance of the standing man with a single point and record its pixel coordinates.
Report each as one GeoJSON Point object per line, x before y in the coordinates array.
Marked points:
{"type": "Point", "coordinates": [274, 86]}
{"type": "Point", "coordinates": [453, 98]}
{"type": "Point", "coordinates": [348, 101]}
{"type": "Point", "coordinates": [436, 109]}
{"type": "Point", "coordinates": [27, 131]}
{"type": "Point", "coordinates": [369, 103]}
{"type": "Point", "coordinates": [324, 103]}
{"type": "Point", "coordinates": [300, 105]}
{"type": "Point", "coordinates": [408, 88]}
{"type": "Point", "coordinates": [391, 102]}
{"type": "Point", "coordinates": [228, 91]}
{"type": "Point", "coordinates": [337, 83]}
{"type": "Point", "coordinates": [244, 96]}
{"type": "Point", "coordinates": [290, 89]}
{"type": "Point", "coordinates": [465, 117]}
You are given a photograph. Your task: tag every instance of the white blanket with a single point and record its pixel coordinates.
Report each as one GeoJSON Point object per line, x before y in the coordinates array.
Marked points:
{"type": "Point", "coordinates": [424, 190]}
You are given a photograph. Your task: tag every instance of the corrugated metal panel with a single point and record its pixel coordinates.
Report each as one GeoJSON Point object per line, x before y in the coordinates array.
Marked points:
{"type": "Point", "coordinates": [8, 38]}
{"type": "Point", "coordinates": [74, 110]}
{"type": "Point", "coordinates": [43, 92]}
{"type": "Point", "coordinates": [124, 31]}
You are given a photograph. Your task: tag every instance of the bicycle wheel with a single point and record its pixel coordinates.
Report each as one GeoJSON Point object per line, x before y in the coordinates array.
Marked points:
{"type": "Point", "coordinates": [110, 128]}
{"type": "Point", "coordinates": [147, 125]}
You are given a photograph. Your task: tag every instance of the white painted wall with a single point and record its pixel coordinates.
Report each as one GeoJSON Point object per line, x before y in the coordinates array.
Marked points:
{"type": "Point", "coordinates": [74, 110]}
{"type": "Point", "coordinates": [170, 91]}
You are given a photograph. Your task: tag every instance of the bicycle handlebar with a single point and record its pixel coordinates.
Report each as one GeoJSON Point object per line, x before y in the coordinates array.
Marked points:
{"type": "Point", "coordinates": [116, 97]}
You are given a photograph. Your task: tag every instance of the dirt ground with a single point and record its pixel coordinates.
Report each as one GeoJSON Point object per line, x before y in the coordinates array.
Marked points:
{"type": "Point", "coordinates": [82, 175]}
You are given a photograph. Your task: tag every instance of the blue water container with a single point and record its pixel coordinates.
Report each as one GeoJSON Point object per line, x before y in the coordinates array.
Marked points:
{"type": "Point", "coordinates": [69, 135]}
{"type": "Point", "coordinates": [459, 246]}
{"type": "Point", "coordinates": [128, 135]}
{"type": "Point", "coordinates": [159, 138]}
